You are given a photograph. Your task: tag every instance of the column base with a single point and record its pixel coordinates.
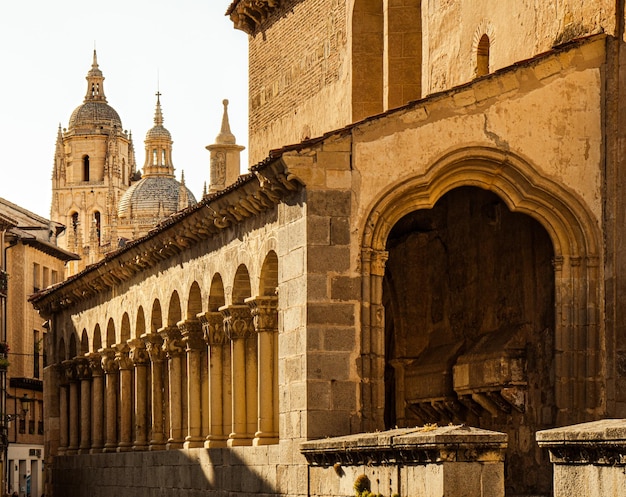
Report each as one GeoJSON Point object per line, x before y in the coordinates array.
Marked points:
{"type": "Point", "coordinates": [239, 442]}
{"type": "Point", "coordinates": [155, 447]}
{"type": "Point", "coordinates": [175, 444]}
{"type": "Point", "coordinates": [96, 450]}
{"type": "Point", "coordinates": [215, 443]}
{"type": "Point", "coordinates": [193, 443]}
{"type": "Point", "coordinates": [84, 450]}
{"type": "Point", "coordinates": [139, 447]}
{"type": "Point", "coordinates": [265, 439]}
{"type": "Point", "coordinates": [124, 448]}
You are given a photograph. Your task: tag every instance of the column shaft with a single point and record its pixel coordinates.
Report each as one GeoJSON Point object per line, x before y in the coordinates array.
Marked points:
{"type": "Point", "coordinates": [97, 403]}
{"type": "Point", "coordinates": [110, 368]}
{"type": "Point", "coordinates": [191, 332]}
{"type": "Point", "coordinates": [140, 359]}
{"type": "Point", "coordinates": [125, 366]}
{"type": "Point", "coordinates": [154, 344]}
{"type": "Point", "coordinates": [173, 348]}
{"type": "Point", "coordinates": [84, 375]}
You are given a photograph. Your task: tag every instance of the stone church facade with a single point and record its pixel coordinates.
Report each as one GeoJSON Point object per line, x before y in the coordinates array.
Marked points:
{"type": "Point", "coordinates": [442, 243]}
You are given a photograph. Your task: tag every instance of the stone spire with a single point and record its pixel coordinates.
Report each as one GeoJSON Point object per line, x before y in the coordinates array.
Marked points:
{"type": "Point", "coordinates": [225, 156]}
{"type": "Point", "coordinates": [158, 146]}
{"type": "Point", "coordinates": [95, 82]}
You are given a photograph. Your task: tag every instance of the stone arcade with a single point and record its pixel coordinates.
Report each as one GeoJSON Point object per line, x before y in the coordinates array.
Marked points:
{"type": "Point", "coordinates": [452, 252]}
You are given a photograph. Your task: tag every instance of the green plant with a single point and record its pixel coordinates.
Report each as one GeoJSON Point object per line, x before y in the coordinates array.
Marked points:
{"type": "Point", "coordinates": [4, 363]}
{"type": "Point", "coordinates": [362, 486]}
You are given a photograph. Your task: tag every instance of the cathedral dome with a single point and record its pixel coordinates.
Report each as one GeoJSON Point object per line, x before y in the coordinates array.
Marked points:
{"type": "Point", "coordinates": [158, 132]}
{"type": "Point", "coordinates": [154, 198]}
{"type": "Point", "coordinates": [93, 113]}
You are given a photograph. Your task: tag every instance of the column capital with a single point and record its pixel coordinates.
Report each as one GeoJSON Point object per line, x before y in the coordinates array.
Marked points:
{"type": "Point", "coordinates": [154, 346]}
{"type": "Point", "coordinates": [191, 331]}
{"type": "Point", "coordinates": [213, 327]}
{"type": "Point", "coordinates": [172, 341]}
{"type": "Point", "coordinates": [108, 360]}
{"type": "Point", "coordinates": [237, 321]}
{"type": "Point", "coordinates": [122, 356]}
{"type": "Point", "coordinates": [95, 363]}
{"type": "Point", "coordinates": [138, 353]}
{"type": "Point", "coordinates": [69, 369]}
{"type": "Point", "coordinates": [83, 371]}
{"type": "Point", "coordinates": [264, 313]}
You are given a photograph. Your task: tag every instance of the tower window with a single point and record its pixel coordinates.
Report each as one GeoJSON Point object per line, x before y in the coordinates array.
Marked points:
{"type": "Point", "coordinates": [163, 157]}
{"type": "Point", "coordinates": [96, 222]}
{"type": "Point", "coordinates": [86, 168]}
{"type": "Point", "coordinates": [75, 223]}
{"type": "Point", "coordinates": [482, 62]}
{"type": "Point", "coordinates": [154, 157]}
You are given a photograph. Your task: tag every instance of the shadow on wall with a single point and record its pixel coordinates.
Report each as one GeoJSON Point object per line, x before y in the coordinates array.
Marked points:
{"type": "Point", "coordinates": [167, 473]}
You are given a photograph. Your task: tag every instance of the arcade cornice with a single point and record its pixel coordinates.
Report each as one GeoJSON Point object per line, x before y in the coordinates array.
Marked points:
{"type": "Point", "coordinates": [248, 15]}
{"type": "Point", "coordinates": [251, 195]}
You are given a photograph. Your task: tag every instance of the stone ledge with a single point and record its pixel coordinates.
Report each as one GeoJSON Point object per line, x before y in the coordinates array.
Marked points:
{"type": "Point", "coordinates": [408, 446]}
{"type": "Point", "coordinates": [598, 442]}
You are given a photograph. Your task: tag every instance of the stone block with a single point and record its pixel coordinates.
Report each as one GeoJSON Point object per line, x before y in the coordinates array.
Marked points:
{"type": "Point", "coordinates": [328, 366]}
{"type": "Point", "coordinates": [547, 68]}
{"type": "Point", "coordinates": [345, 288]}
{"type": "Point", "coordinates": [329, 203]}
{"type": "Point", "coordinates": [340, 231]}
{"type": "Point", "coordinates": [318, 230]}
{"type": "Point", "coordinates": [333, 160]}
{"type": "Point", "coordinates": [464, 97]}
{"type": "Point", "coordinates": [322, 259]}
{"type": "Point", "coordinates": [339, 179]}
{"type": "Point", "coordinates": [331, 314]}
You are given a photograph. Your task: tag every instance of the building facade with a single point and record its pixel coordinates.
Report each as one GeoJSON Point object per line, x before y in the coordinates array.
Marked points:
{"type": "Point", "coordinates": [32, 262]}
{"type": "Point", "coordinates": [442, 243]}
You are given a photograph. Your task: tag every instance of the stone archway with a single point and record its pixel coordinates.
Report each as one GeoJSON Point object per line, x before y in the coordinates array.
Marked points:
{"type": "Point", "coordinates": [449, 336]}
{"type": "Point", "coordinates": [573, 233]}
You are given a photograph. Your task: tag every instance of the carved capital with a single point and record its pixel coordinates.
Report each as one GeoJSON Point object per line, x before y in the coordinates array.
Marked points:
{"type": "Point", "coordinates": [122, 356]}
{"type": "Point", "coordinates": [83, 371]}
{"type": "Point", "coordinates": [70, 371]}
{"type": "Point", "coordinates": [264, 312]}
{"type": "Point", "coordinates": [95, 363]}
{"type": "Point", "coordinates": [109, 365]}
{"type": "Point", "coordinates": [378, 262]}
{"type": "Point", "coordinates": [172, 341]}
{"type": "Point", "coordinates": [154, 347]}
{"type": "Point", "coordinates": [237, 321]}
{"type": "Point", "coordinates": [138, 353]}
{"type": "Point", "coordinates": [213, 327]}
{"type": "Point", "coordinates": [191, 331]}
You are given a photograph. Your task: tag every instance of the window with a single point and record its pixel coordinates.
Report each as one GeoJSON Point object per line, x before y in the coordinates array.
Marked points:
{"type": "Point", "coordinates": [36, 277]}
{"type": "Point", "coordinates": [163, 157]}
{"type": "Point", "coordinates": [154, 157]}
{"type": "Point", "coordinates": [75, 223]}
{"type": "Point", "coordinates": [86, 168]}
{"type": "Point", "coordinates": [46, 277]}
{"type": "Point", "coordinates": [54, 277]}
{"type": "Point", "coordinates": [36, 347]}
{"type": "Point", "coordinates": [96, 221]}
{"type": "Point", "coordinates": [482, 62]}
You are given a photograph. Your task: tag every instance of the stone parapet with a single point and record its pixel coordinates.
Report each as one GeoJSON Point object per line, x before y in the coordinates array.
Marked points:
{"type": "Point", "coordinates": [589, 458]}
{"type": "Point", "coordinates": [428, 461]}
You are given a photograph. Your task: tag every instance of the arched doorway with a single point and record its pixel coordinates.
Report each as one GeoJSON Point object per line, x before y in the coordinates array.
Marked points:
{"type": "Point", "coordinates": [480, 291]}
{"type": "Point", "coordinates": [468, 295]}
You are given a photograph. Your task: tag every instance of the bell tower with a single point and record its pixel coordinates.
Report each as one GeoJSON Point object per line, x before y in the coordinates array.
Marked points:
{"type": "Point", "coordinates": [94, 164]}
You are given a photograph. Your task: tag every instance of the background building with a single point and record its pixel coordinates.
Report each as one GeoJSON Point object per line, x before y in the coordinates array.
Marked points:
{"type": "Point", "coordinates": [32, 262]}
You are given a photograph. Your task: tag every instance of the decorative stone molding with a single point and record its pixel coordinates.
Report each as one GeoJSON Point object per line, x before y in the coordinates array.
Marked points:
{"type": "Point", "coordinates": [95, 363]}
{"type": "Point", "coordinates": [83, 371]}
{"type": "Point", "coordinates": [69, 370]}
{"type": "Point", "coordinates": [248, 15]}
{"type": "Point", "coordinates": [599, 443]}
{"type": "Point", "coordinates": [154, 346]}
{"type": "Point", "coordinates": [408, 446]}
{"type": "Point", "coordinates": [109, 365]}
{"type": "Point", "coordinates": [122, 357]}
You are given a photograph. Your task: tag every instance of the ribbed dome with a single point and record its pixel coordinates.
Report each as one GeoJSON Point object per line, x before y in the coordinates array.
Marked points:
{"type": "Point", "coordinates": [93, 113]}
{"type": "Point", "coordinates": [152, 197]}
{"type": "Point", "coordinates": [158, 132]}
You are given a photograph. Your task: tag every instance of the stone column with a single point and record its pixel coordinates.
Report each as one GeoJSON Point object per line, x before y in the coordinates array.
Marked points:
{"type": "Point", "coordinates": [191, 331]}
{"type": "Point", "coordinates": [71, 375]}
{"type": "Point", "coordinates": [173, 348]}
{"type": "Point", "coordinates": [125, 366]}
{"type": "Point", "coordinates": [154, 346]}
{"type": "Point", "coordinates": [84, 376]}
{"type": "Point", "coordinates": [265, 318]}
{"type": "Point", "coordinates": [97, 403]}
{"type": "Point", "coordinates": [239, 328]}
{"type": "Point", "coordinates": [140, 359]}
{"type": "Point", "coordinates": [213, 329]}
{"type": "Point", "coordinates": [64, 413]}
{"type": "Point", "coordinates": [110, 368]}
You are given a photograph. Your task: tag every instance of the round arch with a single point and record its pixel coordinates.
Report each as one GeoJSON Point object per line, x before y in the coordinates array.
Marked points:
{"type": "Point", "coordinates": [576, 240]}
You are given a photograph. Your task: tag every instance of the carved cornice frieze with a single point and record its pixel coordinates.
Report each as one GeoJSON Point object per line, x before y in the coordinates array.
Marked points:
{"type": "Point", "coordinates": [264, 313]}
{"type": "Point", "coordinates": [69, 370]}
{"type": "Point", "coordinates": [213, 328]}
{"type": "Point", "coordinates": [237, 321]}
{"type": "Point", "coordinates": [252, 195]}
{"type": "Point", "coordinates": [247, 15]}
{"type": "Point", "coordinates": [598, 454]}
{"type": "Point", "coordinates": [122, 357]}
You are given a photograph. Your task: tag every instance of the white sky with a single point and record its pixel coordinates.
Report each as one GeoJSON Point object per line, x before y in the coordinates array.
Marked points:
{"type": "Point", "coordinates": [187, 47]}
